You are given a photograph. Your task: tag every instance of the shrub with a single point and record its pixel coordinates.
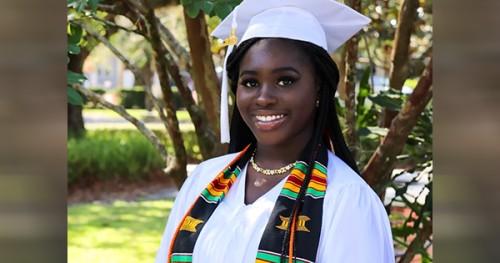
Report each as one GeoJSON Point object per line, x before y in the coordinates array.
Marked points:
{"type": "Point", "coordinates": [176, 99]}
{"type": "Point", "coordinates": [99, 91]}
{"type": "Point", "coordinates": [134, 98]}
{"type": "Point", "coordinates": [117, 154]}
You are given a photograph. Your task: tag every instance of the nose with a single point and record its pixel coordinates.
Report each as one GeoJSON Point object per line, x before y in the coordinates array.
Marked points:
{"type": "Point", "coordinates": [266, 95]}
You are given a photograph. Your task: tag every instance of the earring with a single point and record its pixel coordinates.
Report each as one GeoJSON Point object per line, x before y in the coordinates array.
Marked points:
{"type": "Point", "coordinates": [317, 103]}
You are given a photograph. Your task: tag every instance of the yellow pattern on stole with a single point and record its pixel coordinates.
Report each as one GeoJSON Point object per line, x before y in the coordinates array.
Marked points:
{"type": "Point", "coordinates": [301, 224]}
{"type": "Point", "coordinates": [190, 224]}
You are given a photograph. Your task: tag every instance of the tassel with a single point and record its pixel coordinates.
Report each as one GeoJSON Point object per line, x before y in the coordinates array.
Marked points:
{"type": "Point", "coordinates": [224, 105]}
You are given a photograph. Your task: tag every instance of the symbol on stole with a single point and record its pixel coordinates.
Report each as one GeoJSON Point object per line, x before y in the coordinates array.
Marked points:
{"type": "Point", "coordinates": [301, 224]}
{"type": "Point", "coordinates": [190, 224]}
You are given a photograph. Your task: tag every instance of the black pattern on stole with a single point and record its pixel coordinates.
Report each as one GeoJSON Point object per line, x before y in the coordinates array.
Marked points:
{"type": "Point", "coordinates": [306, 242]}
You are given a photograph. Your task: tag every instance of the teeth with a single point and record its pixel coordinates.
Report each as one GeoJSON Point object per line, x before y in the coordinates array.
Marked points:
{"type": "Point", "coordinates": [269, 117]}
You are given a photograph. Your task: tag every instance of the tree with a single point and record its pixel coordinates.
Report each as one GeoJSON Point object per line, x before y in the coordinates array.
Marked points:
{"type": "Point", "coordinates": [169, 56]}
{"type": "Point", "coordinates": [79, 48]}
{"type": "Point", "coordinates": [387, 129]}
{"type": "Point", "coordinates": [76, 126]}
{"type": "Point", "coordinates": [394, 129]}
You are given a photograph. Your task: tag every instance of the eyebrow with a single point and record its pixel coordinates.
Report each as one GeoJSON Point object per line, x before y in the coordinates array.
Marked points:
{"type": "Point", "coordinates": [253, 72]}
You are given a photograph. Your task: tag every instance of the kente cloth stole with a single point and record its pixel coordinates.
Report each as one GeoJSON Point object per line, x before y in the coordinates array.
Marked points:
{"type": "Point", "coordinates": [307, 224]}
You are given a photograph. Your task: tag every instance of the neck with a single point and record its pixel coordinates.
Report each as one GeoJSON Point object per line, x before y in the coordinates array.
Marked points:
{"type": "Point", "coordinates": [273, 156]}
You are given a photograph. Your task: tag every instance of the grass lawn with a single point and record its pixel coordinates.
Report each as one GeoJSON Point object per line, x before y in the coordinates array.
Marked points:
{"type": "Point", "coordinates": [119, 232]}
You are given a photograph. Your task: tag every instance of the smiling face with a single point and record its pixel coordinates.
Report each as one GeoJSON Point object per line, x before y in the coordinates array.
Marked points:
{"type": "Point", "coordinates": [276, 93]}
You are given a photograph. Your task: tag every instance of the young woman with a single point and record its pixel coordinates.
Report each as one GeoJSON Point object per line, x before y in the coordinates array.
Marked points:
{"type": "Point", "coordinates": [289, 190]}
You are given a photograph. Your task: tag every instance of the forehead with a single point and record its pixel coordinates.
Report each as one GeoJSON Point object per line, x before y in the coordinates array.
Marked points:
{"type": "Point", "coordinates": [274, 52]}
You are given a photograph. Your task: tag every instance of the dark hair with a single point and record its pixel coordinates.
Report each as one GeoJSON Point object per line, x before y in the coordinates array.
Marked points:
{"type": "Point", "coordinates": [327, 130]}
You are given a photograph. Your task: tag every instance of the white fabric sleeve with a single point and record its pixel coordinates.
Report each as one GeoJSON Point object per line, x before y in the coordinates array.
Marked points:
{"type": "Point", "coordinates": [356, 229]}
{"type": "Point", "coordinates": [181, 204]}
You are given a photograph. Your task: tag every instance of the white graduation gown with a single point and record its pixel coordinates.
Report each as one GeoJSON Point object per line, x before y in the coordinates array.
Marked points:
{"type": "Point", "coordinates": [355, 226]}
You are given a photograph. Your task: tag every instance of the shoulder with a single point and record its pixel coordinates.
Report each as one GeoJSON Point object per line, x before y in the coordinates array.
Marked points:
{"type": "Point", "coordinates": [345, 185]}
{"type": "Point", "coordinates": [340, 174]}
{"type": "Point", "coordinates": [203, 174]}
{"type": "Point", "coordinates": [216, 163]}
{"type": "Point", "coordinates": [353, 213]}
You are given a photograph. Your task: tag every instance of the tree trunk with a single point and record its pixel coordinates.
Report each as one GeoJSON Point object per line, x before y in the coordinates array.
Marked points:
{"type": "Point", "coordinates": [350, 85]}
{"type": "Point", "coordinates": [76, 126]}
{"type": "Point", "coordinates": [176, 168]}
{"type": "Point", "coordinates": [205, 135]}
{"type": "Point", "coordinates": [207, 138]}
{"type": "Point", "coordinates": [400, 54]}
{"type": "Point", "coordinates": [378, 168]}
{"type": "Point", "coordinates": [203, 72]}
{"type": "Point", "coordinates": [421, 237]}
{"type": "Point", "coordinates": [184, 59]}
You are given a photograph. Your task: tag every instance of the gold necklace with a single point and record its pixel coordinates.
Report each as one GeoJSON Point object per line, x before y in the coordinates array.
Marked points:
{"type": "Point", "coordinates": [270, 172]}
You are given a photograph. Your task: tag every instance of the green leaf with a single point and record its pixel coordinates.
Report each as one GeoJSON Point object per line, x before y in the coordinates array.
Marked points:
{"type": "Point", "coordinates": [75, 78]}
{"type": "Point", "coordinates": [193, 8]}
{"type": "Point", "coordinates": [364, 91]}
{"type": "Point", "coordinates": [73, 49]}
{"type": "Point", "coordinates": [363, 84]}
{"type": "Point", "coordinates": [208, 6]}
{"type": "Point", "coordinates": [186, 2]}
{"type": "Point", "coordinates": [234, 3]}
{"type": "Point", "coordinates": [80, 5]}
{"type": "Point", "coordinates": [192, 12]}
{"type": "Point", "coordinates": [93, 4]}
{"type": "Point", "coordinates": [222, 10]}
{"type": "Point", "coordinates": [389, 102]}
{"type": "Point", "coordinates": [402, 231]}
{"type": "Point", "coordinates": [74, 97]}
{"type": "Point", "coordinates": [363, 132]}
{"type": "Point", "coordinates": [75, 34]}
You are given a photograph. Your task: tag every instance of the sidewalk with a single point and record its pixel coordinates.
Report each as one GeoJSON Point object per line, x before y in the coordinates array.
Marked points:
{"type": "Point", "coordinates": [158, 188]}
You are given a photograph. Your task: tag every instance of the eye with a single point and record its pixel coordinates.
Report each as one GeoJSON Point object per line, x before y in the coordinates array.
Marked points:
{"type": "Point", "coordinates": [286, 81]}
{"type": "Point", "coordinates": [249, 83]}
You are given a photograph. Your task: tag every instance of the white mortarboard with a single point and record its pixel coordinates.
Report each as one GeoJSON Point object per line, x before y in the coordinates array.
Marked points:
{"type": "Point", "coordinates": [326, 23]}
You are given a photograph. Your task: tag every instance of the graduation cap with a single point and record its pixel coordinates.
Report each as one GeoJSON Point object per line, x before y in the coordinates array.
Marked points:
{"type": "Point", "coordinates": [325, 23]}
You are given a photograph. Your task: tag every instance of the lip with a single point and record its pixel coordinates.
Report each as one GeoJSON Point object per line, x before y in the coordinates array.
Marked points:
{"type": "Point", "coordinates": [269, 125]}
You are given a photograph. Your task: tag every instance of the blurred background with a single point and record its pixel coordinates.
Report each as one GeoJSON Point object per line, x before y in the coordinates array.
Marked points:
{"type": "Point", "coordinates": [143, 93]}
{"type": "Point", "coordinates": [59, 203]}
